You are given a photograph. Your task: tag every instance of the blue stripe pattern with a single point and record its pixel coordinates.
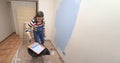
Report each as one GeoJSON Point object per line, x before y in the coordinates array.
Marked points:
{"type": "Point", "coordinates": [65, 21]}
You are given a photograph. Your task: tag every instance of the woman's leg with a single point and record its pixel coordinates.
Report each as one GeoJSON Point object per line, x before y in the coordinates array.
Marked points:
{"type": "Point", "coordinates": [36, 37]}
{"type": "Point", "coordinates": [42, 38]}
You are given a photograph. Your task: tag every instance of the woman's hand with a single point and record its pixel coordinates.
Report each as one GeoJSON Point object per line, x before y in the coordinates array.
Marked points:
{"type": "Point", "coordinates": [29, 36]}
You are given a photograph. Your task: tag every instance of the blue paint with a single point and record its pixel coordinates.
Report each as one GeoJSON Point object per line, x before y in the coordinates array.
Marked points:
{"type": "Point", "coordinates": [65, 21]}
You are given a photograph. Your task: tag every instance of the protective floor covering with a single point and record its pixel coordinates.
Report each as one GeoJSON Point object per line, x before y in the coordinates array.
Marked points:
{"type": "Point", "coordinates": [24, 57]}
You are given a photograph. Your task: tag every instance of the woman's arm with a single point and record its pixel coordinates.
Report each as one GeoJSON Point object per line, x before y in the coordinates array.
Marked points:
{"type": "Point", "coordinates": [28, 27]}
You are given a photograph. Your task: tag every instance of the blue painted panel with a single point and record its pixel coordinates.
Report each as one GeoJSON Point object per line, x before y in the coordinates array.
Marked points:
{"type": "Point", "coordinates": [65, 21]}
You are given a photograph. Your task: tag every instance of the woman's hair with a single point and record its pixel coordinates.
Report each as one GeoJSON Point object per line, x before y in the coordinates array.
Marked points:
{"type": "Point", "coordinates": [39, 14]}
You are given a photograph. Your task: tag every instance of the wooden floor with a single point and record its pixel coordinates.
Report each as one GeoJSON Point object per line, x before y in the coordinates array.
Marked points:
{"type": "Point", "coordinates": [9, 47]}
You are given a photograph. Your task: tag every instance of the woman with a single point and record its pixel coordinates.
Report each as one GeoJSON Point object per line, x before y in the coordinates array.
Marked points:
{"type": "Point", "coordinates": [38, 27]}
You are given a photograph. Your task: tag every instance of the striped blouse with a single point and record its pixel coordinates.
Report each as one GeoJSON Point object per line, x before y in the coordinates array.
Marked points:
{"type": "Point", "coordinates": [31, 24]}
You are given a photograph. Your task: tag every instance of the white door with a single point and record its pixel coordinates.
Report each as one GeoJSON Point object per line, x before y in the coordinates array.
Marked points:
{"type": "Point", "coordinates": [23, 12]}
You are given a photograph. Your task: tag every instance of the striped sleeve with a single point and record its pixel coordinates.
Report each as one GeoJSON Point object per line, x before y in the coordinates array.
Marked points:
{"type": "Point", "coordinates": [30, 25]}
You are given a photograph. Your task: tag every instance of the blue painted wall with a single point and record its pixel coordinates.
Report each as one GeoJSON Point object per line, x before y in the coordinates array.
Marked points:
{"type": "Point", "coordinates": [65, 21]}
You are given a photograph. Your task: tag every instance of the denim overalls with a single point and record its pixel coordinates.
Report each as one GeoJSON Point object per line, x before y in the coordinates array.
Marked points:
{"type": "Point", "coordinates": [39, 34]}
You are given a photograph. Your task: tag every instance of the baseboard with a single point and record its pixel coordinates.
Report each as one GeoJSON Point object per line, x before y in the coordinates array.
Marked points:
{"type": "Point", "coordinates": [6, 37]}
{"type": "Point", "coordinates": [59, 52]}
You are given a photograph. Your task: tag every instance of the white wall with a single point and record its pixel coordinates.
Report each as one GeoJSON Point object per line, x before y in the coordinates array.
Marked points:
{"type": "Point", "coordinates": [96, 36]}
{"type": "Point", "coordinates": [47, 6]}
{"type": "Point", "coordinates": [5, 20]}
{"type": "Point", "coordinates": [11, 16]}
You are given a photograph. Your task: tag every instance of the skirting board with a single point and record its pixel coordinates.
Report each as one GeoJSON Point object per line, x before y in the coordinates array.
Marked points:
{"type": "Point", "coordinates": [60, 53]}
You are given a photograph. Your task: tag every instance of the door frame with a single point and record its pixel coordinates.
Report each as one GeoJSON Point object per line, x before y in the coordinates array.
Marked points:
{"type": "Point", "coordinates": [14, 4]}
